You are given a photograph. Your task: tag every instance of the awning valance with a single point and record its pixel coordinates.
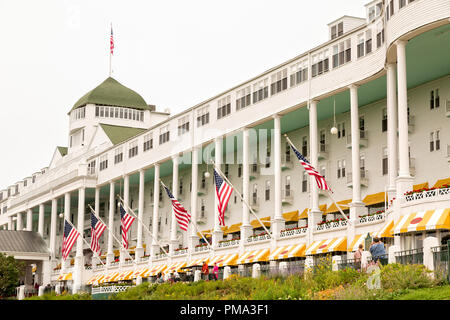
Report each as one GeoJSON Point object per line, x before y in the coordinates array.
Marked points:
{"type": "Point", "coordinates": [357, 240]}
{"type": "Point", "coordinates": [139, 272]}
{"type": "Point", "coordinates": [225, 260]}
{"type": "Point", "coordinates": [441, 182]}
{"type": "Point", "coordinates": [375, 198]}
{"type": "Point", "coordinates": [423, 220]}
{"type": "Point", "coordinates": [65, 277]}
{"type": "Point", "coordinates": [290, 216]}
{"type": "Point", "coordinates": [255, 223]}
{"type": "Point", "coordinates": [385, 231]}
{"type": "Point", "coordinates": [233, 228]}
{"type": "Point", "coordinates": [420, 186]}
{"type": "Point", "coordinates": [285, 252]}
{"type": "Point", "coordinates": [198, 262]}
{"type": "Point", "coordinates": [330, 245]}
{"type": "Point", "coordinates": [304, 214]}
{"type": "Point", "coordinates": [254, 256]}
{"type": "Point", "coordinates": [332, 208]}
{"type": "Point", "coordinates": [126, 275]}
{"type": "Point", "coordinates": [176, 266]}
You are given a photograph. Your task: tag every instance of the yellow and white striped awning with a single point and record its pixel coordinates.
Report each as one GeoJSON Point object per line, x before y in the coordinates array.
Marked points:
{"type": "Point", "coordinates": [385, 231]}
{"type": "Point", "coordinates": [225, 260]}
{"type": "Point", "coordinates": [285, 252]}
{"type": "Point", "coordinates": [330, 245]}
{"type": "Point", "coordinates": [110, 277]}
{"type": "Point", "coordinates": [154, 270]}
{"type": "Point", "coordinates": [176, 266]}
{"type": "Point", "coordinates": [357, 240]}
{"type": "Point", "coordinates": [93, 279]}
{"type": "Point", "coordinates": [198, 262]}
{"type": "Point", "coordinates": [254, 256]}
{"type": "Point", "coordinates": [423, 220]}
{"type": "Point", "coordinates": [139, 272]}
{"type": "Point", "coordinates": [65, 277]}
{"type": "Point", "coordinates": [126, 275]}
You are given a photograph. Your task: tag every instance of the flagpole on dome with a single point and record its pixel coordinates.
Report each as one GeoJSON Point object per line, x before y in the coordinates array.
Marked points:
{"type": "Point", "coordinates": [190, 221]}
{"type": "Point", "coordinates": [242, 198]}
{"type": "Point", "coordinates": [111, 51]}
{"type": "Point", "coordinates": [143, 224]}
{"type": "Point", "coordinates": [112, 233]}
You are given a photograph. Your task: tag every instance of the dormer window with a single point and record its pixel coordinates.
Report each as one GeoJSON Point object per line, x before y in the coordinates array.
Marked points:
{"type": "Point", "coordinates": [374, 11]}
{"type": "Point", "coordinates": [337, 30]}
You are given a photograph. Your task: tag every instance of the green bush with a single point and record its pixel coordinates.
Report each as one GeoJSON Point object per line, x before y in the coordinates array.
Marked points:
{"type": "Point", "coordinates": [411, 276]}
{"type": "Point", "coordinates": [53, 296]}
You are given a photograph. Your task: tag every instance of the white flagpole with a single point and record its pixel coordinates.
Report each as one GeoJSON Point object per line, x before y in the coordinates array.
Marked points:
{"type": "Point", "coordinates": [151, 234]}
{"type": "Point", "coordinates": [243, 200]}
{"type": "Point", "coordinates": [114, 237]}
{"type": "Point", "coordinates": [110, 54]}
{"type": "Point", "coordinates": [190, 220]}
{"type": "Point", "coordinates": [80, 235]}
{"type": "Point", "coordinates": [328, 192]}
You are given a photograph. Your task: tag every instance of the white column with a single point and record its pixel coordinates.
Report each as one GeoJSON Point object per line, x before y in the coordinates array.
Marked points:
{"type": "Point", "coordinates": [217, 232]}
{"type": "Point", "coordinates": [19, 221]}
{"type": "Point", "coordinates": [155, 247]}
{"type": "Point", "coordinates": [77, 274]}
{"type": "Point", "coordinates": [10, 223]}
{"type": "Point", "coordinates": [111, 206]}
{"type": "Point", "coordinates": [193, 238]}
{"type": "Point", "coordinates": [53, 228]}
{"type": "Point", "coordinates": [139, 248]}
{"type": "Point", "coordinates": [173, 226]}
{"type": "Point", "coordinates": [246, 228]}
{"type": "Point", "coordinates": [30, 219]}
{"type": "Point", "coordinates": [315, 215]}
{"type": "Point", "coordinates": [278, 221]}
{"type": "Point", "coordinates": [391, 128]}
{"type": "Point", "coordinates": [404, 181]}
{"type": "Point", "coordinates": [41, 220]}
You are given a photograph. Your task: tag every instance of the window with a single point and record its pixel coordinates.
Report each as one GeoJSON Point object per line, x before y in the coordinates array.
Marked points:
{"type": "Point", "coordinates": [260, 90]}
{"type": "Point", "coordinates": [384, 121]}
{"type": "Point", "coordinates": [287, 186]}
{"type": "Point", "coordinates": [148, 142]}
{"type": "Point", "coordinates": [180, 186]}
{"type": "Point", "coordinates": [360, 46]}
{"type": "Point", "coordinates": [243, 98]}
{"type": "Point", "coordinates": [401, 3]}
{"type": "Point", "coordinates": [203, 183]}
{"type": "Point", "coordinates": [91, 167]}
{"type": "Point", "coordinates": [305, 182]}
{"type": "Point", "coordinates": [368, 41]}
{"type": "Point", "coordinates": [322, 141]}
{"type": "Point", "coordinates": [323, 171]}
{"type": "Point", "coordinates": [202, 116]}
{"type": "Point", "coordinates": [288, 152]}
{"type": "Point", "coordinates": [305, 146]}
{"type": "Point", "coordinates": [239, 170]}
{"type": "Point", "coordinates": [255, 194]}
{"type": "Point", "coordinates": [384, 162]}
{"type": "Point", "coordinates": [362, 164]}
{"type": "Point", "coordinates": [118, 155]}
{"type": "Point", "coordinates": [374, 11]}
{"type": "Point", "coordinates": [391, 8]}
{"type": "Point", "coordinates": [361, 124]}
{"type": "Point", "coordinates": [337, 30]}
{"type": "Point", "coordinates": [133, 149]}
{"type": "Point", "coordinates": [278, 82]}
{"type": "Point", "coordinates": [434, 99]}
{"type": "Point", "coordinates": [78, 113]}
{"type": "Point", "coordinates": [380, 34]}
{"type": "Point", "coordinates": [183, 125]}
{"type": "Point", "coordinates": [341, 169]}
{"type": "Point", "coordinates": [267, 193]}
{"type": "Point", "coordinates": [202, 208]}
{"type": "Point", "coordinates": [299, 73]}
{"type": "Point", "coordinates": [320, 63]}
{"type": "Point", "coordinates": [341, 130]}
{"type": "Point", "coordinates": [103, 162]}
{"type": "Point", "coordinates": [227, 170]}
{"type": "Point", "coordinates": [25, 182]}
{"type": "Point", "coordinates": [435, 142]}
{"type": "Point", "coordinates": [342, 53]}
{"type": "Point", "coordinates": [223, 107]}
{"type": "Point", "coordinates": [164, 134]}
{"type": "Point", "coordinates": [267, 156]}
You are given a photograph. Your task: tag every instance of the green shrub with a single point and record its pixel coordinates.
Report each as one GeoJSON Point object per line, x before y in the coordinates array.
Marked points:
{"type": "Point", "coordinates": [411, 276]}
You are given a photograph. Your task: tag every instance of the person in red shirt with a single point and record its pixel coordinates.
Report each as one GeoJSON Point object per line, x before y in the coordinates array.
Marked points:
{"type": "Point", "coordinates": [205, 271]}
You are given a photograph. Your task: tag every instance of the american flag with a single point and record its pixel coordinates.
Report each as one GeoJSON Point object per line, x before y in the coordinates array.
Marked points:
{"type": "Point", "coordinates": [111, 42]}
{"type": "Point", "coordinates": [181, 213]}
{"type": "Point", "coordinates": [97, 228]}
{"type": "Point", "coordinates": [126, 220]}
{"type": "Point", "coordinates": [321, 183]}
{"type": "Point", "coordinates": [223, 192]}
{"type": "Point", "coordinates": [69, 237]}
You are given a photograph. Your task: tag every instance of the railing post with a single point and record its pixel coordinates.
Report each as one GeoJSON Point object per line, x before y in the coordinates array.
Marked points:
{"type": "Point", "coordinates": [429, 243]}
{"type": "Point", "coordinates": [391, 255]}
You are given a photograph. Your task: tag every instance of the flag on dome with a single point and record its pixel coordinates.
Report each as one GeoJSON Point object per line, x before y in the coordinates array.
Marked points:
{"type": "Point", "coordinates": [126, 220]}
{"type": "Point", "coordinates": [181, 214]}
{"type": "Point", "coordinates": [223, 193]}
{"type": "Point", "coordinates": [111, 42]}
{"type": "Point", "coordinates": [69, 237]}
{"type": "Point", "coordinates": [321, 183]}
{"type": "Point", "coordinates": [97, 229]}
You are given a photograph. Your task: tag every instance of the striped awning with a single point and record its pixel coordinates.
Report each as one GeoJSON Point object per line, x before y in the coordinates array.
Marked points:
{"type": "Point", "coordinates": [126, 275]}
{"type": "Point", "coordinates": [139, 272]}
{"type": "Point", "coordinates": [93, 279]}
{"type": "Point", "coordinates": [423, 220]}
{"type": "Point", "coordinates": [285, 252]}
{"type": "Point", "coordinates": [176, 266]}
{"type": "Point", "coordinates": [153, 271]}
{"type": "Point", "coordinates": [254, 256]}
{"type": "Point", "coordinates": [111, 277]}
{"type": "Point", "coordinates": [197, 262]}
{"type": "Point", "coordinates": [65, 276]}
{"type": "Point", "coordinates": [357, 240]}
{"type": "Point", "coordinates": [330, 245]}
{"type": "Point", "coordinates": [225, 260]}
{"type": "Point", "coordinates": [385, 231]}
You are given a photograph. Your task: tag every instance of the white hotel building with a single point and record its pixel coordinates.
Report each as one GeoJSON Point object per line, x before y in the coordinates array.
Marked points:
{"type": "Point", "coordinates": [383, 83]}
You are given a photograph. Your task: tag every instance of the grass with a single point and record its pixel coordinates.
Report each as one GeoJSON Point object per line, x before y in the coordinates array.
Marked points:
{"type": "Point", "coordinates": [435, 293]}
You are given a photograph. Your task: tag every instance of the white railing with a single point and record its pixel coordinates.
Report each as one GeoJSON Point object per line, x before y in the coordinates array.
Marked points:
{"type": "Point", "coordinates": [292, 232]}
{"type": "Point", "coordinates": [258, 238]}
{"type": "Point", "coordinates": [144, 259]}
{"type": "Point", "coordinates": [372, 218]}
{"type": "Point", "coordinates": [427, 194]}
{"type": "Point", "coordinates": [201, 248]}
{"type": "Point", "coordinates": [109, 289]}
{"type": "Point", "coordinates": [228, 243]}
{"type": "Point", "coordinates": [180, 252]}
{"type": "Point", "coordinates": [160, 256]}
{"type": "Point", "coordinates": [332, 225]}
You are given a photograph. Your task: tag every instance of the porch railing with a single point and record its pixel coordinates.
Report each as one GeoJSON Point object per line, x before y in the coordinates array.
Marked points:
{"type": "Point", "coordinates": [413, 256]}
{"type": "Point", "coordinates": [440, 261]}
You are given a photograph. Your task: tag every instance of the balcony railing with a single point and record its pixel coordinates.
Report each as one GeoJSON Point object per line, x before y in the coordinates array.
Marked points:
{"type": "Point", "coordinates": [427, 194]}
{"type": "Point", "coordinates": [413, 256]}
{"type": "Point", "coordinates": [257, 238]}
{"type": "Point", "coordinates": [372, 218]}
{"type": "Point", "coordinates": [201, 248]}
{"type": "Point", "coordinates": [228, 243]}
{"type": "Point", "coordinates": [364, 181]}
{"type": "Point", "coordinates": [331, 225]}
{"type": "Point", "coordinates": [293, 232]}
{"type": "Point", "coordinates": [362, 139]}
{"type": "Point", "coordinates": [180, 252]}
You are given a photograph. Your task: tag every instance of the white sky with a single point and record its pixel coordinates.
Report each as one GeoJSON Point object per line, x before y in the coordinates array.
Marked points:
{"type": "Point", "coordinates": [174, 53]}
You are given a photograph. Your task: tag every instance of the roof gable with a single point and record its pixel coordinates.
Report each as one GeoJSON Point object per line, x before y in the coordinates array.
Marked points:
{"type": "Point", "coordinates": [118, 134]}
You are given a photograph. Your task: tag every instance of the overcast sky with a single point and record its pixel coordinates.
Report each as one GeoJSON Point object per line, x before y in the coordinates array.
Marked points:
{"type": "Point", "coordinates": [174, 53]}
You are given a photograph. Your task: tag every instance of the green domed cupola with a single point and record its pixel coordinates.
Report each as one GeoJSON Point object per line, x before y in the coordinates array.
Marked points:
{"type": "Point", "coordinates": [111, 93]}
